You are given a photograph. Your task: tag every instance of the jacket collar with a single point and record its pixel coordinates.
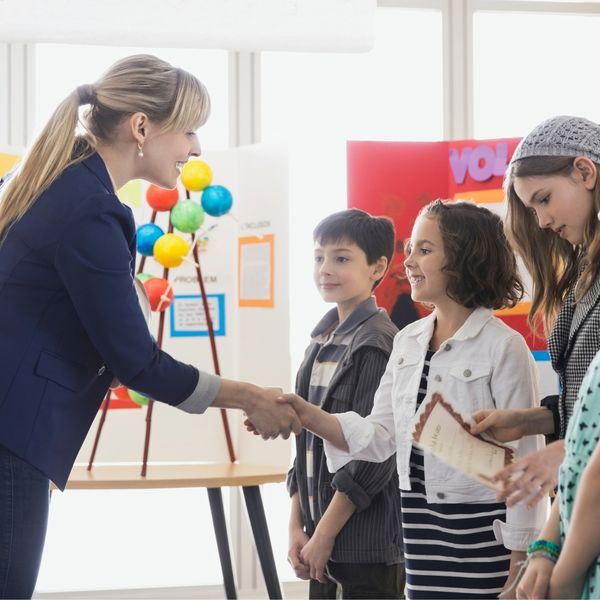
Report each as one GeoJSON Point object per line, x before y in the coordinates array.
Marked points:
{"type": "Point", "coordinates": [423, 329]}
{"type": "Point", "coordinates": [359, 315]}
{"type": "Point", "coordinates": [96, 165]}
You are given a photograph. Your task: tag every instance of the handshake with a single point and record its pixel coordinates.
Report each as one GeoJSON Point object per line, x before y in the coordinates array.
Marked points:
{"type": "Point", "coordinates": [270, 413]}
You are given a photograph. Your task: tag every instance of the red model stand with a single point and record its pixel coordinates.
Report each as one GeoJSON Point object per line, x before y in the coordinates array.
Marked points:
{"type": "Point", "coordinates": [161, 325]}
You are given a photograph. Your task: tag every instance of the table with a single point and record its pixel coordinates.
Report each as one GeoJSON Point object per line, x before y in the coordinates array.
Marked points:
{"type": "Point", "coordinates": [213, 477]}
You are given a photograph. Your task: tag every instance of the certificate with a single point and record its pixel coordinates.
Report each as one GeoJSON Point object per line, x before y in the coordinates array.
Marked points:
{"type": "Point", "coordinates": [440, 430]}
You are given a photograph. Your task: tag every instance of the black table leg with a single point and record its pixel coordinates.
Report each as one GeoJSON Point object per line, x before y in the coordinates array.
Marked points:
{"type": "Point", "coordinates": [258, 522]}
{"type": "Point", "coordinates": [218, 516]}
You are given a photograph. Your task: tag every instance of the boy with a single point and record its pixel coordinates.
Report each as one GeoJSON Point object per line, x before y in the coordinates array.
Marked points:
{"type": "Point", "coordinates": [345, 529]}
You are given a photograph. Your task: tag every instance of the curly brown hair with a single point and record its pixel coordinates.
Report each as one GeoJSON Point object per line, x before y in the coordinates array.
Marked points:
{"type": "Point", "coordinates": [480, 265]}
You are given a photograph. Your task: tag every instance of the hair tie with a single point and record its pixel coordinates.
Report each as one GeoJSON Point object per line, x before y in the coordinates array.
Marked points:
{"type": "Point", "coordinates": [86, 94]}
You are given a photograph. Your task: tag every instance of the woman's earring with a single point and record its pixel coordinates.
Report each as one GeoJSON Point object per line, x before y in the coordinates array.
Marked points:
{"type": "Point", "coordinates": [140, 151]}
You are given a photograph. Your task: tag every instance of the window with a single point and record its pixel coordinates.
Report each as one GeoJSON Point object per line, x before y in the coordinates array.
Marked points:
{"type": "Point", "coordinates": [545, 69]}
{"type": "Point", "coordinates": [60, 68]}
{"type": "Point", "coordinates": [314, 103]}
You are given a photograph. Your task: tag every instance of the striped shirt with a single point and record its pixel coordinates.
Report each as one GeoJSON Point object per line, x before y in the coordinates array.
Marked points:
{"type": "Point", "coordinates": [450, 549]}
{"type": "Point", "coordinates": [373, 534]}
{"type": "Point", "coordinates": [333, 340]}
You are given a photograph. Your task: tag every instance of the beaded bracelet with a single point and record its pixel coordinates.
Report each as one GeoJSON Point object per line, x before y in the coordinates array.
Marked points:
{"type": "Point", "coordinates": [544, 546]}
{"type": "Point", "coordinates": [543, 554]}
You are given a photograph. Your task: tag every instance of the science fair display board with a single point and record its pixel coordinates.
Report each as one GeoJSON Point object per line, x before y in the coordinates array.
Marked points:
{"type": "Point", "coordinates": [398, 178]}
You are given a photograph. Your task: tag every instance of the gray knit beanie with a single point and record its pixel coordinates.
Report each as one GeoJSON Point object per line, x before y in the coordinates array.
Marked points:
{"type": "Point", "coordinates": [561, 136]}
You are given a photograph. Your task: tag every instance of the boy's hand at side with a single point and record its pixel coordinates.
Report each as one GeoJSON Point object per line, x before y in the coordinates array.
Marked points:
{"type": "Point", "coordinates": [297, 541]}
{"type": "Point", "coordinates": [316, 554]}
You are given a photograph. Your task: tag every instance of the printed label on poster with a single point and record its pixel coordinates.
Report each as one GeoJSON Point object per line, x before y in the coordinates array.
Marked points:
{"type": "Point", "coordinates": [189, 319]}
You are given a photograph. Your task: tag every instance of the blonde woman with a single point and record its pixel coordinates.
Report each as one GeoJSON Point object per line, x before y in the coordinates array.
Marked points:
{"type": "Point", "coordinates": [71, 321]}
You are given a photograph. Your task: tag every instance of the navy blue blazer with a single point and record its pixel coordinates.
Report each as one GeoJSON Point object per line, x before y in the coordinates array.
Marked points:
{"type": "Point", "coordinates": [70, 321]}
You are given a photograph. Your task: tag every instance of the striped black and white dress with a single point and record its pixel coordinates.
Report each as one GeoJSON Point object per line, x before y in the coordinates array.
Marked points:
{"type": "Point", "coordinates": [450, 549]}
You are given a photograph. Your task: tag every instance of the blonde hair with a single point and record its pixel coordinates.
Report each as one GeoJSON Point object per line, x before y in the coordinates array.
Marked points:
{"type": "Point", "coordinates": [554, 264]}
{"type": "Point", "coordinates": [169, 96]}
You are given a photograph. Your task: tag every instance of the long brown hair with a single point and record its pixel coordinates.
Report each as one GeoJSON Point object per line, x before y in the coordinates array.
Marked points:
{"type": "Point", "coordinates": [169, 96]}
{"type": "Point", "coordinates": [554, 264]}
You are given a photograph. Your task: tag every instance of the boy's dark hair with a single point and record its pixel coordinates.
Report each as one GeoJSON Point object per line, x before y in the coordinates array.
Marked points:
{"type": "Point", "coordinates": [375, 236]}
{"type": "Point", "coordinates": [480, 264]}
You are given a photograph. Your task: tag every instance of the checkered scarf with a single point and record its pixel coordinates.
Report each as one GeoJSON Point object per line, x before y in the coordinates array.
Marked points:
{"type": "Point", "coordinates": [573, 343]}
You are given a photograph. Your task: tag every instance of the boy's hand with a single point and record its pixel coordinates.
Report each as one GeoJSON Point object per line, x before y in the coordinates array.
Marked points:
{"type": "Point", "coordinates": [297, 541]}
{"type": "Point", "coordinates": [316, 554]}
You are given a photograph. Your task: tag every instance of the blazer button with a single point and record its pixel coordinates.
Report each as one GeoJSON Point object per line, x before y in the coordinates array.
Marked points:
{"type": "Point", "coordinates": [441, 495]}
{"type": "Point", "coordinates": [400, 361]}
{"type": "Point", "coordinates": [438, 377]}
{"type": "Point", "coordinates": [467, 373]}
{"type": "Point", "coordinates": [447, 347]}
{"type": "Point", "coordinates": [101, 370]}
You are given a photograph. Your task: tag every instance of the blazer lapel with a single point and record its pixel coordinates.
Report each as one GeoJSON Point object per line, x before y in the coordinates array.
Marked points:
{"type": "Point", "coordinates": [570, 320]}
{"type": "Point", "coordinates": [582, 309]}
{"type": "Point", "coordinates": [559, 337]}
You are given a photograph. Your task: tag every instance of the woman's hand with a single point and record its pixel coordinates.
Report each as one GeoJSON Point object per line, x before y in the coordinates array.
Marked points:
{"type": "Point", "coordinates": [534, 584]}
{"type": "Point", "coordinates": [533, 476]}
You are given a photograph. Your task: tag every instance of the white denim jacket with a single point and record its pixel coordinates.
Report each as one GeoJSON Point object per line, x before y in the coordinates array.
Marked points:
{"type": "Point", "coordinates": [485, 365]}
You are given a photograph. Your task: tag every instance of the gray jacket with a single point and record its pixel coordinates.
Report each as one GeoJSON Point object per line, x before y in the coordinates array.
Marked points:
{"type": "Point", "coordinates": [374, 533]}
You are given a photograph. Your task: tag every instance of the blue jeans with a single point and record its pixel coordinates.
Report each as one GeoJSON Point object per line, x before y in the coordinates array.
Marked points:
{"type": "Point", "coordinates": [24, 503]}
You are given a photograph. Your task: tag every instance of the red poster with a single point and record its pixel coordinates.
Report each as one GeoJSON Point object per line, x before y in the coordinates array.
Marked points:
{"type": "Point", "coordinates": [398, 178]}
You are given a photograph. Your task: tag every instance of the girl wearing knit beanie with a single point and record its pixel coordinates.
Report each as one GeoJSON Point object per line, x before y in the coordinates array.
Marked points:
{"type": "Point", "coordinates": [553, 191]}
